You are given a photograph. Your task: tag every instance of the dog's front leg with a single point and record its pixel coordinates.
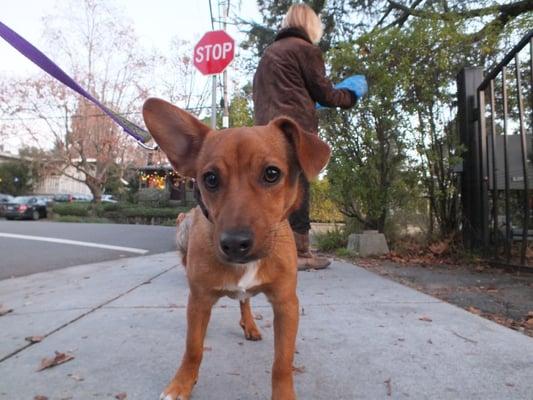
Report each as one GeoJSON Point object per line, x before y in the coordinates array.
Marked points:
{"type": "Point", "coordinates": [285, 329]}
{"type": "Point", "coordinates": [198, 314]}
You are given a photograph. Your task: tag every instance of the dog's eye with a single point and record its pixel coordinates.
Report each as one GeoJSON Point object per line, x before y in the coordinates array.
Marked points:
{"type": "Point", "coordinates": [211, 180]}
{"type": "Point", "coordinates": [272, 174]}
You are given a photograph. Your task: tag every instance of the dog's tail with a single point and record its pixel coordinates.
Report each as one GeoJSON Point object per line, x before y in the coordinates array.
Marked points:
{"type": "Point", "coordinates": [183, 225]}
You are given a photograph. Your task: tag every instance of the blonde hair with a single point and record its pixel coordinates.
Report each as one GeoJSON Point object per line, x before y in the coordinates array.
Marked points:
{"type": "Point", "coordinates": [302, 16]}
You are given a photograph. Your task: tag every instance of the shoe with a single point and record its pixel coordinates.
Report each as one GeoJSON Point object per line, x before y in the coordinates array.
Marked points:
{"type": "Point", "coordinates": [306, 259]}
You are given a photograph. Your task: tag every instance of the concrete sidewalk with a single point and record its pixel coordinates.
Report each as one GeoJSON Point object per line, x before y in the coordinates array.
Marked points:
{"type": "Point", "coordinates": [361, 337]}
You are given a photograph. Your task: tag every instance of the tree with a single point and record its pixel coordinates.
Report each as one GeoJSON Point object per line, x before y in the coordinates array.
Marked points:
{"type": "Point", "coordinates": [241, 109]}
{"type": "Point", "coordinates": [15, 178]}
{"type": "Point", "coordinates": [369, 169]}
{"type": "Point", "coordinates": [401, 140]}
{"type": "Point", "coordinates": [102, 53]}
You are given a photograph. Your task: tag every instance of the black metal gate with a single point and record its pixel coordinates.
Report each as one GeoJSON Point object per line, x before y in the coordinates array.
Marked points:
{"type": "Point", "coordinates": [495, 123]}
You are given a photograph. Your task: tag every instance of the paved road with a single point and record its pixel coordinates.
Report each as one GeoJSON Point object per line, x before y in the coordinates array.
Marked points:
{"type": "Point", "coordinates": [21, 256]}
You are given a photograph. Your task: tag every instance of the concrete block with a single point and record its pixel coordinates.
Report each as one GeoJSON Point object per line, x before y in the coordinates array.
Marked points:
{"type": "Point", "coordinates": [368, 243]}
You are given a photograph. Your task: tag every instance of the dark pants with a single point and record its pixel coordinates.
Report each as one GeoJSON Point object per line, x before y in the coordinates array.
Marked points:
{"type": "Point", "coordinates": [299, 219]}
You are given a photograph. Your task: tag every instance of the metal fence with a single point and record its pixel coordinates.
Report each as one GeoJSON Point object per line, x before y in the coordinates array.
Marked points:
{"type": "Point", "coordinates": [496, 120]}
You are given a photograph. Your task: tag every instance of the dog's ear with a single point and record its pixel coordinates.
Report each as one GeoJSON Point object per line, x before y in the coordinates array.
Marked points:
{"type": "Point", "coordinates": [179, 134]}
{"type": "Point", "coordinates": [312, 153]}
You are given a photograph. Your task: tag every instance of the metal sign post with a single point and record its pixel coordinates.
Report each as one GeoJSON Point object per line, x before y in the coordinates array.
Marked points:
{"type": "Point", "coordinates": [214, 103]}
{"type": "Point", "coordinates": [212, 54]}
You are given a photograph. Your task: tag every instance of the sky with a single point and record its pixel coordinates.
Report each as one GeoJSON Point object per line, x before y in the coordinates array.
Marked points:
{"type": "Point", "coordinates": [156, 23]}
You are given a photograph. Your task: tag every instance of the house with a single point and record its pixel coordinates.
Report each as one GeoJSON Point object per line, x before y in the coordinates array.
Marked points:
{"type": "Point", "coordinates": [55, 183]}
{"type": "Point", "coordinates": [163, 177]}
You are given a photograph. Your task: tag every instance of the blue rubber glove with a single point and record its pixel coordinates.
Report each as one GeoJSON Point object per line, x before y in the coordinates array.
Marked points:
{"type": "Point", "coordinates": [355, 84]}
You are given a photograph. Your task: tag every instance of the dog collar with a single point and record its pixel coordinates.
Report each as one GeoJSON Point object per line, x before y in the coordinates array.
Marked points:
{"type": "Point", "coordinates": [198, 198]}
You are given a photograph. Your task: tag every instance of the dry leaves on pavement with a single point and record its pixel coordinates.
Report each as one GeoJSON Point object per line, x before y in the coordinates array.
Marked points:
{"type": "Point", "coordinates": [4, 310]}
{"type": "Point", "coordinates": [298, 370]}
{"type": "Point", "coordinates": [121, 396]}
{"type": "Point", "coordinates": [34, 339]}
{"type": "Point", "coordinates": [59, 358]}
{"type": "Point", "coordinates": [425, 319]}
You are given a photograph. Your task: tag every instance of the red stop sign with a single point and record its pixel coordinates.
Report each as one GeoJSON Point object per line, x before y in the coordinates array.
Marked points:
{"type": "Point", "coordinates": [214, 52]}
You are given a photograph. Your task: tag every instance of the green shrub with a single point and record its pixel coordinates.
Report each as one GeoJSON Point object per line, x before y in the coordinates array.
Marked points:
{"type": "Point", "coordinates": [149, 212]}
{"type": "Point", "coordinates": [343, 252]}
{"type": "Point", "coordinates": [80, 209]}
{"type": "Point", "coordinates": [116, 212]}
{"type": "Point", "coordinates": [331, 240]}
{"type": "Point", "coordinates": [153, 197]}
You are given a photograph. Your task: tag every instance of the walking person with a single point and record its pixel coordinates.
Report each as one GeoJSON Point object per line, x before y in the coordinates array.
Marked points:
{"type": "Point", "coordinates": [290, 80]}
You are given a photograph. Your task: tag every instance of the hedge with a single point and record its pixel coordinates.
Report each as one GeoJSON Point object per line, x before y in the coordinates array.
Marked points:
{"type": "Point", "coordinates": [117, 212]}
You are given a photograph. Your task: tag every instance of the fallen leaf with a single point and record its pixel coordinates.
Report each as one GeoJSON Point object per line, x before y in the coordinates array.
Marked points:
{"type": "Point", "coordinates": [258, 316]}
{"type": "Point", "coordinates": [59, 358]}
{"type": "Point", "coordinates": [425, 319]}
{"type": "Point", "coordinates": [298, 370]}
{"type": "Point", "coordinates": [4, 311]}
{"type": "Point", "coordinates": [34, 339]}
{"type": "Point", "coordinates": [76, 377]}
{"type": "Point", "coordinates": [474, 310]}
{"type": "Point", "coordinates": [121, 396]}
{"type": "Point", "coordinates": [40, 397]}
{"type": "Point", "coordinates": [439, 248]}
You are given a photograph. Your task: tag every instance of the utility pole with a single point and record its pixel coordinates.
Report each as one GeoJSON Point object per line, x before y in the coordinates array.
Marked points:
{"type": "Point", "coordinates": [214, 82]}
{"type": "Point", "coordinates": [214, 103]}
{"type": "Point", "coordinates": [225, 116]}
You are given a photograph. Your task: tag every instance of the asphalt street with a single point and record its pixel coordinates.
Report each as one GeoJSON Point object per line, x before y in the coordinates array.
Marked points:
{"type": "Point", "coordinates": [27, 247]}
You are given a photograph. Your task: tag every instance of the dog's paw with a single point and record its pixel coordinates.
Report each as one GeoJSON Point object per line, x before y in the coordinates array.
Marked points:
{"type": "Point", "coordinates": [251, 331]}
{"type": "Point", "coordinates": [176, 391]}
{"type": "Point", "coordinates": [165, 396]}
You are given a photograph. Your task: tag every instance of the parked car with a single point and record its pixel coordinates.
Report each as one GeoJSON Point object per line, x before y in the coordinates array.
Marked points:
{"type": "Point", "coordinates": [4, 199]}
{"type": "Point", "coordinates": [26, 207]}
{"type": "Point", "coordinates": [82, 197]}
{"type": "Point", "coordinates": [108, 198]}
{"type": "Point", "coordinates": [47, 199]}
{"type": "Point", "coordinates": [63, 198]}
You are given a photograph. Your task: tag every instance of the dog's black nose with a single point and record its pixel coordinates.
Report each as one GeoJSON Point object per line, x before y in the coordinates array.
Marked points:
{"type": "Point", "coordinates": [236, 244]}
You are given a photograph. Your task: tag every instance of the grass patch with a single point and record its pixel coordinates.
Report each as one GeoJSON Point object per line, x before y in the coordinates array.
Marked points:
{"type": "Point", "coordinates": [331, 240]}
{"type": "Point", "coordinates": [343, 252]}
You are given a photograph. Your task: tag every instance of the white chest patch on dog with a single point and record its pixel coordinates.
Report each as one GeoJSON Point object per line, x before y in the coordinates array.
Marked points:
{"type": "Point", "coordinates": [248, 280]}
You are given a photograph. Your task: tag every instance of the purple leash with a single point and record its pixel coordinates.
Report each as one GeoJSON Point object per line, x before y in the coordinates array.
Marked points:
{"type": "Point", "coordinates": [41, 60]}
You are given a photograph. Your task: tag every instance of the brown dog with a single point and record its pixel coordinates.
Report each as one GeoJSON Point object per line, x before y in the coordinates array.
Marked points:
{"type": "Point", "coordinates": [239, 239]}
